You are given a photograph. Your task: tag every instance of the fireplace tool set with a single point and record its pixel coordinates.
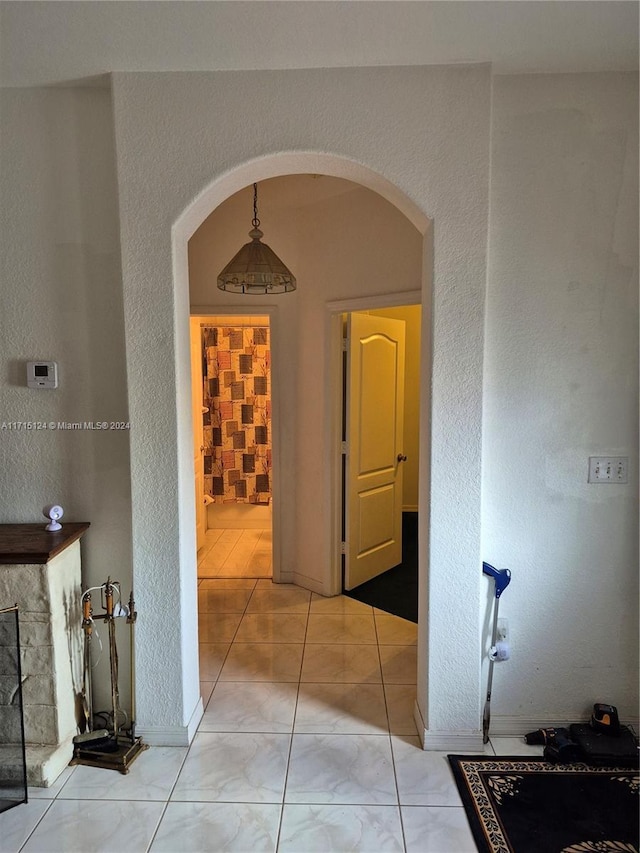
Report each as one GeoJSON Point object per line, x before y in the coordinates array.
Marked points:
{"type": "Point", "coordinates": [114, 745]}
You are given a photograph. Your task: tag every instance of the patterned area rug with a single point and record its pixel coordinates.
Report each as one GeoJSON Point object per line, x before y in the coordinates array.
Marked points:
{"type": "Point", "coordinates": [527, 805]}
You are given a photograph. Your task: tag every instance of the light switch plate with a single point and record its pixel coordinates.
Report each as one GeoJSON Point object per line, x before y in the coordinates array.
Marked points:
{"type": "Point", "coordinates": [608, 469]}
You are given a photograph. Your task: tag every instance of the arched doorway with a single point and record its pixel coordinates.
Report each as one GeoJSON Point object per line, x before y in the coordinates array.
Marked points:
{"type": "Point", "coordinates": [324, 581]}
{"type": "Point", "coordinates": [181, 150]}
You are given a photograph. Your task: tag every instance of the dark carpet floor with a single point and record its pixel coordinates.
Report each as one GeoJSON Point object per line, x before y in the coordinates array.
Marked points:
{"type": "Point", "coordinates": [396, 591]}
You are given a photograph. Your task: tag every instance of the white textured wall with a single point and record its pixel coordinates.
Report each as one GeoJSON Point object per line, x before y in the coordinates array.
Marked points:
{"type": "Point", "coordinates": [561, 384]}
{"type": "Point", "coordinates": [424, 132]}
{"type": "Point", "coordinates": [61, 299]}
{"type": "Point", "coordinates": [560, 380]}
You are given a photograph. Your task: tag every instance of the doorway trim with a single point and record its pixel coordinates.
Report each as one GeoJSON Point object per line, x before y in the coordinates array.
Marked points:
{"type": "Point", "coordinates": [270, 311]}
{"type": "Point", "coordinates": [333, 335]}
{"type": "Point", "coordinates": [333, 331]}
{"type": "Point", "coordinates": [184, 695]}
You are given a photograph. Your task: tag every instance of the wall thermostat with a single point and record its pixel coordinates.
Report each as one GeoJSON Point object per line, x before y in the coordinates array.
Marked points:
{"type": "Point", "coordinates": [42, 374]}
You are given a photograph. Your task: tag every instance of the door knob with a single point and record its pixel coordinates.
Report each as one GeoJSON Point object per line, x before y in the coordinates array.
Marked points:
{"type": "Point", "coordinates": [201, 448]}
{"type": "Point", "coordinates": [402, 457]}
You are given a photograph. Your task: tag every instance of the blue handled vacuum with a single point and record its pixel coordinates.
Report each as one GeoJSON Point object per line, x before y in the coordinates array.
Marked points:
{"type": "Point", "coordinates": [502, 578]}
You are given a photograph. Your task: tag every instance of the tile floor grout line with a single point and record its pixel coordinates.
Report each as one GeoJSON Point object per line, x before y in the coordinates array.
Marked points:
{"type": "Point", "coordinates": [293, 728]}
{"type": "Point", "coordinates": [305, 644]}
{"type": "Point", "coordinates": [246, 568]}
{"type": "Point", "coordinates": [395, 780]}
{"type": "Point", "coordinates": [280, 802]}
{"type": "Point", "coordinates": [279, 832]}
{"type": "Point", "coordinates": [231, 550]}
{"type": "Point", "coordinates": [172, 789]}
{"type": "Point", "coordinates": [154, 834]}
{"type": "Point", "coordinates": [217, 678]}
{"type": "Point", "coordinates": [393, 762]}
{"type": "Point", "coordinates": [38, 822]}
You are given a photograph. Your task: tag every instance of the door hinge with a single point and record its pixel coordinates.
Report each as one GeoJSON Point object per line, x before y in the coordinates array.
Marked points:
{"type": "Point", "coordinates": [344, 345]}
{"type": "Point", "coordinates": [343, 547]}
{"type": "Point", "coordinates": [343, 448]}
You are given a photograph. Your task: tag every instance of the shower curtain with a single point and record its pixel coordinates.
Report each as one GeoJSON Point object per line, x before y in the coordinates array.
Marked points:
{"type": "Point", "coordinates": [237, 422]}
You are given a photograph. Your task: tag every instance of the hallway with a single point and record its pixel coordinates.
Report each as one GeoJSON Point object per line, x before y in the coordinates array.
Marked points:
{"type": "Point", "coordinates": [237, 554]}
{"type": "Point", "coordinates": [307, 744]}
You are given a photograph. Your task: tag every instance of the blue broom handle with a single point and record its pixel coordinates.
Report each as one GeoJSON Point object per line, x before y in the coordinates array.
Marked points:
{"type": "Point", "coordinates": [502, 577]}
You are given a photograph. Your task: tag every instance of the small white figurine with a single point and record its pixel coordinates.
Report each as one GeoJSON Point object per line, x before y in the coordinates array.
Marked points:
{"type": "Point", "coordinates": [53, 512]}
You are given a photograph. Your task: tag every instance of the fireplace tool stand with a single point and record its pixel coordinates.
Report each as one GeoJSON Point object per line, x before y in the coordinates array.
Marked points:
{"type": "Point", "coordinates": [115, 745]}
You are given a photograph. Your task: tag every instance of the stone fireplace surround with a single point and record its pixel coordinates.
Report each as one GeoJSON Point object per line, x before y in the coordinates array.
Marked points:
{"type": "Point", "coordinates": [40, 571]}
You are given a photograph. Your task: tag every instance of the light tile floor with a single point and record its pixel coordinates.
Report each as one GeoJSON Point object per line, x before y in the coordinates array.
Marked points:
{"type": "Point", "coordinates": [234, 553]}
{"type": "Point", "coordinates": [307, 743]}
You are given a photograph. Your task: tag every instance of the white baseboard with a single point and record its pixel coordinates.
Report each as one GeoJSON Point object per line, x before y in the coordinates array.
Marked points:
{"type": "Point", "coordinates": [510, 726]}
{"type": "Point", "coordinates": [453, 741]}
{"type": "Point", "coordinates": [519, 726]}
{"type": "Point", "coordinates": [309, 583]}
{"type": "Point", "coordinates": [500, 726]}
{"type": "Point", "coordinates": [194, 722]}
{"type": "Point", "coordinates": [172, 735]}
{"type": "Point", "coordinates": [284, 577]}
{"type": "Point", "coordinates": [456, 741]}
{"type": "Point", "coordinates": [417, 718]}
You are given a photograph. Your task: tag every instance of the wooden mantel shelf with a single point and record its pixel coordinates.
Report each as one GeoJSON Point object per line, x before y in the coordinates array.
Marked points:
{"type": "Point", "coordinates": [29, 544]}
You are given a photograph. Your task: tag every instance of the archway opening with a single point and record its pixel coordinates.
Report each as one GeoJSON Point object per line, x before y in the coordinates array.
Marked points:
{"type": "Point", "coordinates": [352, 207]}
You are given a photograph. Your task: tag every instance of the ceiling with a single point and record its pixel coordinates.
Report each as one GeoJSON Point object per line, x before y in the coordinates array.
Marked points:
{"type": "Point", "coordinates": [57, 42]}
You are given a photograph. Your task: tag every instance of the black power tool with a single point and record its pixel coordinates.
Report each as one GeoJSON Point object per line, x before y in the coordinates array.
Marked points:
{"type": "Point", "coordinates": [605, 719]}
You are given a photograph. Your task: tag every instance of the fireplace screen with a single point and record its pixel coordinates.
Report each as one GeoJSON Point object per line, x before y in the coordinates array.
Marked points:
{"type": "Point", "coordinates": [13, 767]}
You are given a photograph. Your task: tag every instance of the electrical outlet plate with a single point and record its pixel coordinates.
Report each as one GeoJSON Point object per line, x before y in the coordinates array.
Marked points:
{"type": "Point", "coordinates": [608, 469]}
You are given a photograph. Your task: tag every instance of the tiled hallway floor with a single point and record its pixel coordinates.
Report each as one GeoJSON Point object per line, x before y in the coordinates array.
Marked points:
{"type": "Point", "coordinates": [233, 553]}
{"type": "Point", "coordinates": [307, 744]}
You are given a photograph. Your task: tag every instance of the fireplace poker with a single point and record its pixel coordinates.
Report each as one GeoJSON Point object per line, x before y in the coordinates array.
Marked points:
{"type": "Point", "coordinates": [117, 747]}
{"type": "Point", "coordinates": [87, 627]}
{"type": "Point", "coordinates": [113, 653]}
{"type": "Point", "coordinates": [131, 619]}
{"type": "Point", "coordinates": [88, 735]}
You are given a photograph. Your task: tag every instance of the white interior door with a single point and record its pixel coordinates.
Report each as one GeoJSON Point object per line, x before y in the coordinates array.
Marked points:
{"type": "Point", "coordinates": [374, 406]}
{"type": "Point", "coordinates": [198, 441]}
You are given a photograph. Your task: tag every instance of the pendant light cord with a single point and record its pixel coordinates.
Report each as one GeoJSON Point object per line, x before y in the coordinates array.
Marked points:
{"type": "Point", "coordinates": [255, 221]}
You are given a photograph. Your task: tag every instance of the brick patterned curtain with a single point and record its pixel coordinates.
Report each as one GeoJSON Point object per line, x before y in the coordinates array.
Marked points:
{"type": "Point", "coordinates": [237, 428]}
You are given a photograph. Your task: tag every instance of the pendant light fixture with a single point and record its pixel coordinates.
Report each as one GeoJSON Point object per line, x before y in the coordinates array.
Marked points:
{"type": "Point", "coordinates": [256, 268]}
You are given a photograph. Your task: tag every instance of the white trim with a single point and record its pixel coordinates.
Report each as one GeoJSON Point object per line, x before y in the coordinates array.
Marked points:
{"type": "Point", "coordinates": [293, 163]}
{"type": "Point", "coordinates": [164, 736]}
{"type": "Point", "coordinates": [308, 583]}
{"type": "Point", "coordinates": [333, 421]}
{"type": "Point", "coordinates": [372, 303]}
{"type": "Point", "coordinates": [173, 735]}
{"type": "Point", "coordinates": [453, 741]}
{"type": "Point", "coordinates": [419, 721]}
{"type": "Point", "coordinates": [253, 310]}
{"type": "Point", "coordinates": [513, 726]}
{"type": "Point", "coordinates": [333, 466]}
{"type": "Point", "coordinates": [446, 741]}
{"type": "Point", "coordinates": [194, 722]}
